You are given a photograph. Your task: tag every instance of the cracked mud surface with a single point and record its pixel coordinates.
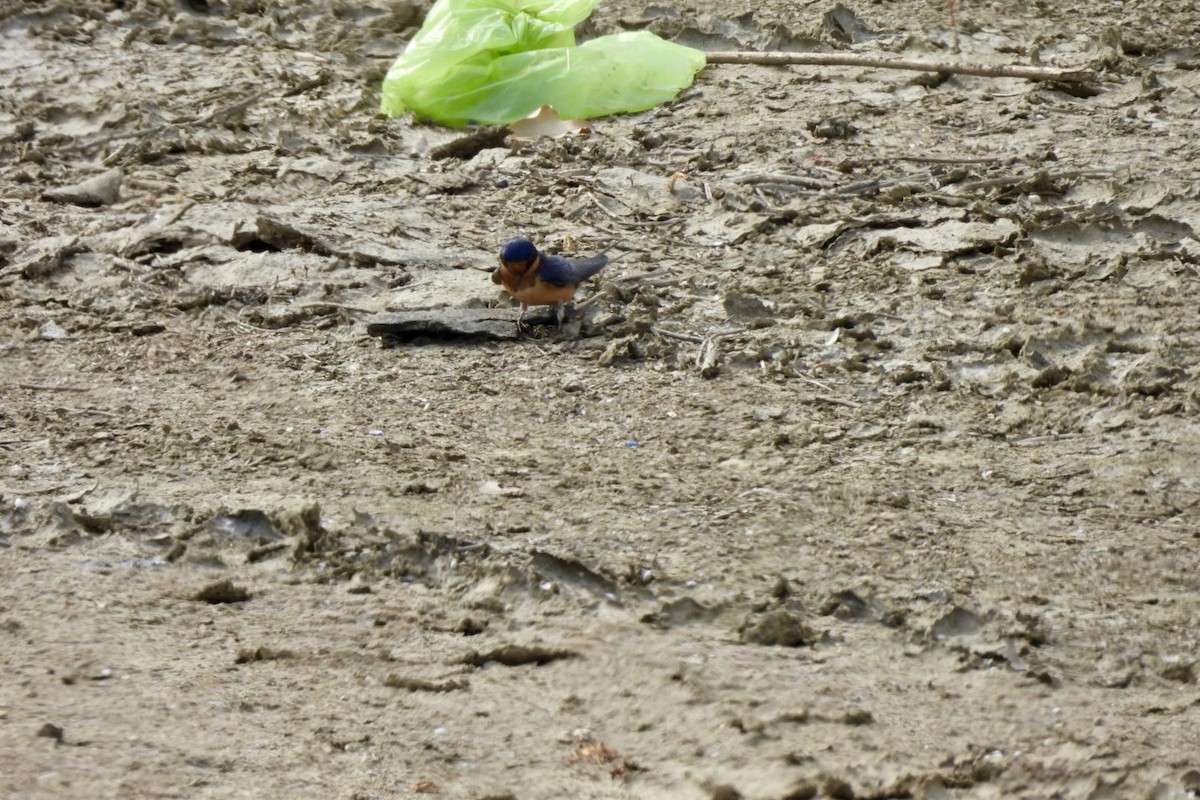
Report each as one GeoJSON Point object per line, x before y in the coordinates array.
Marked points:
{"type": "Point", "coordinates": [869, 471]}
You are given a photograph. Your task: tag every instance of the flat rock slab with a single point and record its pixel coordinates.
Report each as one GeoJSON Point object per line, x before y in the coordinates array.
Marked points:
{"type": "Point", "coordinates": [451, 323]}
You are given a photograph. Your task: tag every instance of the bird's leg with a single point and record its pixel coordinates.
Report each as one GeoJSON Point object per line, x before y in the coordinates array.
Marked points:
{"type": "Point", "coordinates": [521, 319]}
{"type": "Point", "coordinates": [560, 312]}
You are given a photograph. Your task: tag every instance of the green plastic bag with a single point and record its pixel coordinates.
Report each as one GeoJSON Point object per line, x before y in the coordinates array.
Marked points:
{"type": "Point", "coordinates": [498, 61]}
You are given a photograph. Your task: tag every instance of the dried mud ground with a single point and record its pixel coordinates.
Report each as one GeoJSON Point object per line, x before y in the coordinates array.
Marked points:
{"type": "Point", "coordinates": [870, 470]}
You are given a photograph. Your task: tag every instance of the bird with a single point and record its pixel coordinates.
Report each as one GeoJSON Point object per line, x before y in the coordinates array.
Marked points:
{"type": "Point", "coordinates": [534, 278]}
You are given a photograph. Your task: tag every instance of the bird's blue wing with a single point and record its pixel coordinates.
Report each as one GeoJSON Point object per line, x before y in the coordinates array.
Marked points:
{"type": "Point", "coordinates": [559, 271]}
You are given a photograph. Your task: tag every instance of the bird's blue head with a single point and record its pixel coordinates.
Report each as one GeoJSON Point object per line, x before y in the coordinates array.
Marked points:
{"type": "Point", "coordinates": [519, 250]}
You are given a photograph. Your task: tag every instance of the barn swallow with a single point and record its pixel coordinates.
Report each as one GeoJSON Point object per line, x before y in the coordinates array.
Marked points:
{"type": "Point", "coordinates": [537, 279]}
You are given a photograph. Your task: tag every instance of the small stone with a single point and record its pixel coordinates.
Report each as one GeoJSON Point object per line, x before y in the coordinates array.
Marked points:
{"type": "Point", "coordinates": [102, 190]}
{"type": "Point", "coordinates": [838, 789]}
{"type": "Point", "coordinates": [958, 622]}
{"type": "Point", "coordinates": [49, 731]}
{"type": "Point", "coordinates": [1050, 376]}
{"type": "Point", "coordinates": [470, 626]}
{"type": "Point", "coordinates": [746, 306]}
{"type": "Point", "coordinates": [573, 385]}
{"type": "Point", "coordinates": [725, 792]}
{"type": "Point", "coordinates": [222, 592]}
{"type": "Point", "coordinates": [1179, 671]}
{"type": "Point", "coordinates": [832, 128]}
{"type": "Point", "coordinates": [51, 331]}
{"type": "Point", "coordinates": [768, 413]}
{"type": "Point", "coordinates": [859, 716]}
{"type": "Point", "coordinates": [779, 627]}
{"type": "Point", "coordinates": [804, 790]}
{"type": "Point", "coordinates": [250, 654]}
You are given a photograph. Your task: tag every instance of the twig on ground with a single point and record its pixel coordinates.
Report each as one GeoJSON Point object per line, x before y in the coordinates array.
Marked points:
{"type": "Point", "coordinates": [830, 396]}
{"type": "Point", "coordinates": [654, 279]}
{"type": "Point", "coordinates": [663, 237]}
{"type": "Point", "coordinates": [649, 223]}
{"type": "Point", "coordinates": [834, 401]}
{"type": "Point", "coordinates": [328, 305]}
{"type": "Point", "coordinates": [1028, 72]}
{"type": "Point", "coordinates": [920, 183]}
{"type": "Point", "coordinates": [52, 387]}
{"type": "Point", "coordinates": [931, 160]}
{"type": "Point", "coordinates": [1011, 180]}
{"type": "Point", "coordinates": [679, 337]}
{"type": "Point", "coordinates": [174, 216]}
{"type": "Point", "coordinates": [788, 180]}
{"type": "Point", "coordinates": [708, 360]}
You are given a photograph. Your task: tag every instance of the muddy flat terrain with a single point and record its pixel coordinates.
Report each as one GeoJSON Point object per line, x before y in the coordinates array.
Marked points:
{"type": "Point", "coordinates": [869, 469]}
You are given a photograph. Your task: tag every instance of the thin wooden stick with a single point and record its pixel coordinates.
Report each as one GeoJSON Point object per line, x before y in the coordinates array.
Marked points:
{"type": "Point", "coordinates": [708, 360]}
{"type": "Point", "coordinates": [679, 337]}
{"type": "Point", "coordinates": [776, 57]}
{"type": "Point", "coordinates": [1010, 180]}
{"type": "Point", "coordinates": [52, 387]}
